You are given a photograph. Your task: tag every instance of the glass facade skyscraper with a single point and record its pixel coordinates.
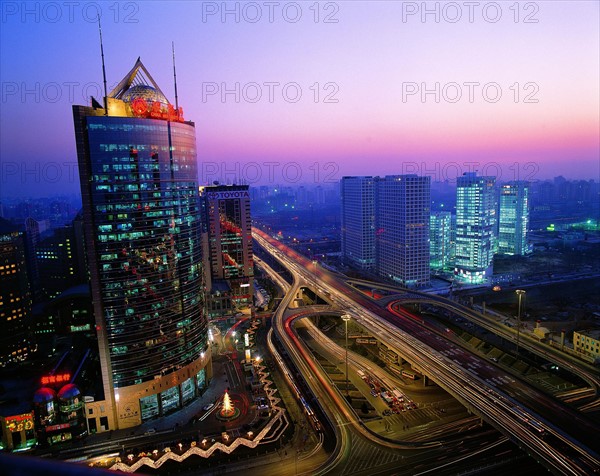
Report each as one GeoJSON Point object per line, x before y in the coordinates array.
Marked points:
{"type": "Point", "coordinates": [385, 226]}
{"type": "Point", "coordinates": [358, 221]}
{"type": "Point", "coordinates": [513, 218]}
{"type": "Point", "coordinates": [403, 204]}
{"type": "Point", "coordinates": [475, 227]}
{"type": "Point", "coordinates": [440, 241]}
{"type": "Point", "coordinates": [142, 226]}
{"type": "Point", "coordinates": [229, 228]}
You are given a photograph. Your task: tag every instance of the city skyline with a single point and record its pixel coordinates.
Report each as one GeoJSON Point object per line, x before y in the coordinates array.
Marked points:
{"type": "Point", "coordinates": [379, 118]}
{"type": "Point", "coordinates": [320, 237]}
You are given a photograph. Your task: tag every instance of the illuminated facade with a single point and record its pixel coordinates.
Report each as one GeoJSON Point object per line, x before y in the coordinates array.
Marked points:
{"type": "Point", "coordinates": [403, 204]}
{"type": "Point", "coordinates": [513, 219]}
{"type": "Point", "coordinates": [15, 296]}
{"type": "Point", "coordinates": [17, 432]}
{"type": "Point", "coordinates": [475, 227]}
{"type": "Point", "coordinates": [228, 224]}
{"type": "Point", "coordinates": [358, 221]}
{"type": "Point", "coordinates": [587, 342]}
{"type": "Point", "coordinates": [141, 215]}
{"type": "Point", "coordinates": [440, 241]}
{"type": "Point", "coordinates": [56, 259]}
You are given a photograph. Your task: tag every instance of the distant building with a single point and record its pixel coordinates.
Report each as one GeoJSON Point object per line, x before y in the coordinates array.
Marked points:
{"type": "Point", "coordinates": [385, 226]}
{"type": "Point", "coordinates": [68, 313]}
{"type": "Point", "coordinates": [402, 228]}
{"type": "Point", "coordinates": [15, 296]}
{"type": "Point", "coordinates": [513, 219]}
{"type": "Point", "coordinates": [229, 228]}
{"type": "Point", "coordinates": [358, 222]}
{"type": "Point", "coordinates": [57, 264]}
{"type": "Point", "coordinates": [32, 239]}
{"type": "Point", "coordinates": [440, 241]}
{"type": "Point", "coordinates": [475, 227]}
{"type": "Point", "coordinates": [142, 225]}
{"type": "Point", "coordinates": [587, 342]}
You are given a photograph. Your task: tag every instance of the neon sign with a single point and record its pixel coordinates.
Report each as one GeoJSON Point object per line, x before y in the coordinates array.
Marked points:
{"type": "Point", "coordinates": [19, 423]}
{"type": "Point", "coordinates": [155, 110]}
{"type": "Point", "coordinates": [58, 378]}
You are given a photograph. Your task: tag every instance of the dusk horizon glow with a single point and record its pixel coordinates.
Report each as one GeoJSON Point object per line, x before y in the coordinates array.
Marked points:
{"type": "Point", "coordinates": [358, 106]}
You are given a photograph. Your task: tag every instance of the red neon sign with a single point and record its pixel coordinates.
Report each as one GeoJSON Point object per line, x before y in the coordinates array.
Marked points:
{"type": "Point", "coordinates": [142, 108]}
{"type": "Point", "coordinates": [58, 378]}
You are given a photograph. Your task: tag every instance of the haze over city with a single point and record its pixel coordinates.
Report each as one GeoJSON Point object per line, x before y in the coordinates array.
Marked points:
{"type": "Point", "coordinates": [354, 68]}
{"type": "Point", "coordinates": [271, 238]}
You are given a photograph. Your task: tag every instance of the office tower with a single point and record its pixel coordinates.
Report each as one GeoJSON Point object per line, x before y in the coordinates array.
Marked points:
{"type": "Point", "coordinates": [32, 239]}
{"type": "Point", "coordinates": [513, 218]}
{"type": "Point", "coordinates": [229, 228]}
{"type": "Point", "coordinates": [15, 295]}
{"type": "Point", "coordinates": [141, 214]}
{"type": "Point", "coordinates": [402, 223]}
{"type": "Point", "coordinates": [80, 257]}
{"type": "Point", "coordinates": [475, 227]}
{"type": "Point", "coordinates": [440, 244]}
{"type": "Point", "coordinates": [56, 260]}
{"type": "Point", "coordinates": [358, 221]}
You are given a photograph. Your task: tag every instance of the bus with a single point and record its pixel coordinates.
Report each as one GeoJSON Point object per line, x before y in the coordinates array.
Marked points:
{"type": "Point", "coordinates": [409, 374]}
{"type": "Point", "coordinates": [398, 394]}
{"type": "Point", "coordinates": [362, 340]}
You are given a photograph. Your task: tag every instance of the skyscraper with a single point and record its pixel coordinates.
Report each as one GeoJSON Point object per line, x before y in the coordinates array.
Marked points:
{"type": "Point", "coordinates": [475, 227]}
{"type": "Point", "coordinates": [141, 214]}
{"type": "Point", "coordinates": [15, 295]}
{"type": "Point", "coordinates": [402, 223]}
{"type": "Point", "coordinates": [513, 218]}
{"type": "Point", "coordinates": [358, 221]}
{"type": "Point", "coordinates": [440, 243]}
{"type": "Point", "coordinates": [56, 259]}
{"type": "Point", "coordinates": [229, 228]}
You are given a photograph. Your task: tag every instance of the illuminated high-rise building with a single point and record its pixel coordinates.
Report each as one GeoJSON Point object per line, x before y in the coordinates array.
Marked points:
{"type": "Point", "coordinates": [56, 259]}
{"type": "Point", "coordinates": [440, 241]}
{"type": "Point", "coordinates": [358, 221]}
{"type": "Point", "coordinates": [403, 204]}
{"type": "Point", "coordinates": [15, 295]}
{"type": "Point", "coordinates": [141, 219]}
{"type": "Point", "coordinates": [229, 228]}
{"type": "Point", "coordinates": [513, 219]}
{"type": "Point", "coordinates": [475, 227]}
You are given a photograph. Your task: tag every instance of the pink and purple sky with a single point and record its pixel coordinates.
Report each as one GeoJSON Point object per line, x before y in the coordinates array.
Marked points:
{"type": "Point", "coordinates": [370, 54]}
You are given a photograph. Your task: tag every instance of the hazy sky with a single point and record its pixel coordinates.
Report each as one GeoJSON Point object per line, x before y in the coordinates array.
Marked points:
{"type": "Point", "coordinates": [512, 89]}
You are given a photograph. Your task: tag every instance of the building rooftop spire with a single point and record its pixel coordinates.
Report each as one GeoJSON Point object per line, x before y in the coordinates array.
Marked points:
{"type": "Point", "coordinates": [137, 76]}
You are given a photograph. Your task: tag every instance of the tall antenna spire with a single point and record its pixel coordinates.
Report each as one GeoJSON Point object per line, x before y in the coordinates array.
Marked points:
{"type": "Point", "coordinates": [103, 69]}
{"type": "Point", "coordinates": [175, 79]}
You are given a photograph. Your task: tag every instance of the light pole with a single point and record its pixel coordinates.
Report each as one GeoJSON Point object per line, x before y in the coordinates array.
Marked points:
{"type": "Point", "coordinates": [520, 293]}
{"type": "Point", "coordinates": [346, 318]}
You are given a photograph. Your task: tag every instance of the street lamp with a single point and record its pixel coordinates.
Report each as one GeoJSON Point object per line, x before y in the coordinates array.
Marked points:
{"type": "Point", "coordinates": [520, 293]}
{"type": "Point", "coordinates": [346, 318]}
